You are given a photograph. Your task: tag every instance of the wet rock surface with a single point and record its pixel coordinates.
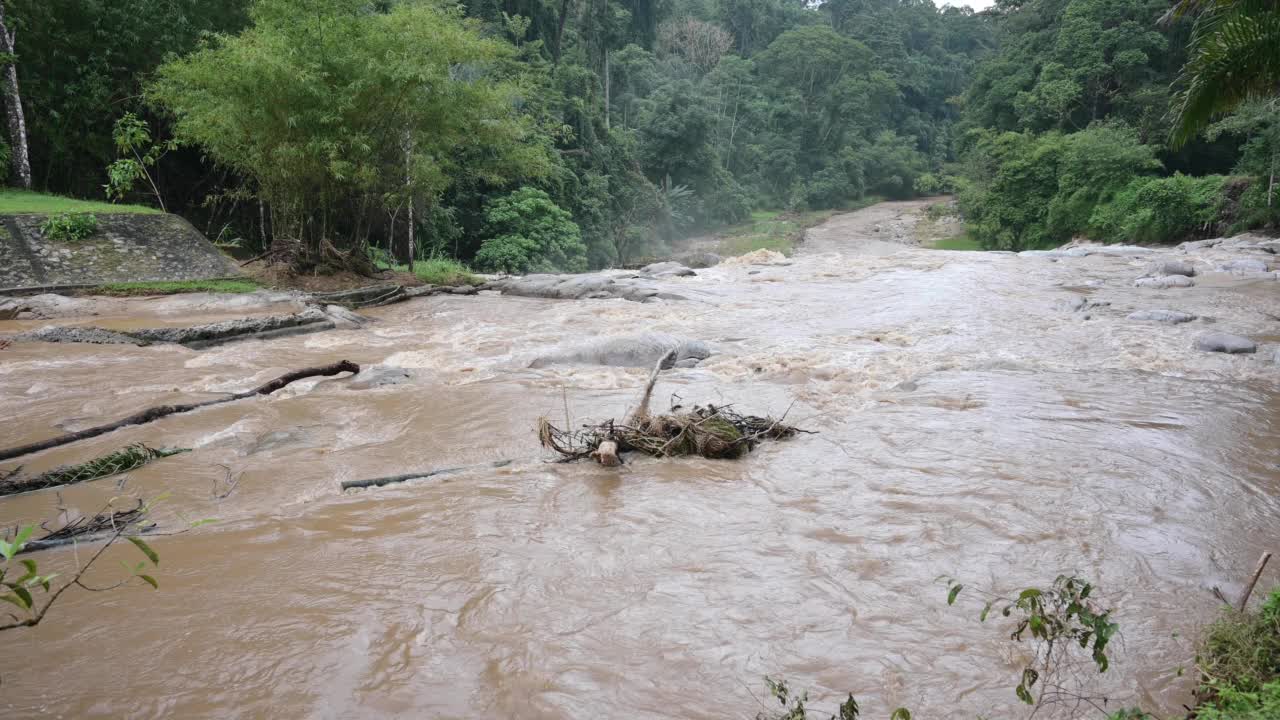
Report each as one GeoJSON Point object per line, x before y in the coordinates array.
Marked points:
{"type": "Point", "coordinates": [1225, 343]}
{"type": "Point", "coordinates": [197, 336]}
{"type": "Point", "coordinates": [126, 247]}
{"type": "Point", "coordinates": [380, 375]}
{"type": "Point", "coordinates": [629, 351]}
{"type": "Point", "coordinates": [591, 286]}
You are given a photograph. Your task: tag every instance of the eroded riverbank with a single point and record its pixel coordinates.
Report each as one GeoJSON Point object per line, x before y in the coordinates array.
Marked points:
{"type": "Point", "coordinates": [977, 419]}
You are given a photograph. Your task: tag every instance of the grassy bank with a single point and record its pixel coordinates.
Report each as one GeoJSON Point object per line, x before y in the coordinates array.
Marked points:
{"type": "Point", "coordinates": [174, 287]}
{"type": "Point", "coordinates": [25, 202]}
{"type": "Point", "coordinates": [1239, 661]}
{"type": "Point", "coordinates": [439, 271]}
{"type": "Point", "coordinates": [778, 230]}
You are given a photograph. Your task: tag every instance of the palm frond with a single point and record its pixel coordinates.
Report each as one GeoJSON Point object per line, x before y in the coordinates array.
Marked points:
{"type": "Point", "coordinates": [1234, 57]}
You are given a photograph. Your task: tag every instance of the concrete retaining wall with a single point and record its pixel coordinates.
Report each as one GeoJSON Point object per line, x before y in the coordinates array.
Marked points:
{"type": "Point", "coordinates": [126, 248]}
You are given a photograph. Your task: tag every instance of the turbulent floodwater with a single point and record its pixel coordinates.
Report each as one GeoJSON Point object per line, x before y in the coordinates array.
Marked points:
{"type": "Point", "coordinates": [970, 424]}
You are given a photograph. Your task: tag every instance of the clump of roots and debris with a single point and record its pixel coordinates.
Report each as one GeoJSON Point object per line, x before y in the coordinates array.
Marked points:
{"type": "Point", "coordinates": [125, 459]}
{"type": "Point", "coordinates": [89, 527]}
{"type": "Point", "coordinates": [710, 431]}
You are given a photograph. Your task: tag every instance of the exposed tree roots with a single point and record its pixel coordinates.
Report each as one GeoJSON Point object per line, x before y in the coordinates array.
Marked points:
{"type": "Point", "coordinates": [160, 411]}
{"type": "Point", "coordinates": [125, 459]}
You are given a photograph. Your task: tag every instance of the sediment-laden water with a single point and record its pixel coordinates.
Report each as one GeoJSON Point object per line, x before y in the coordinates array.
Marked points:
{"type": "Point", "coordinates": [974, 420]}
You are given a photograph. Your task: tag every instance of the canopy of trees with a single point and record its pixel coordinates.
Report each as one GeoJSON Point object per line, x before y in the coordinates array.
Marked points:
{"type": "Point", "coordinates": [524, 135]}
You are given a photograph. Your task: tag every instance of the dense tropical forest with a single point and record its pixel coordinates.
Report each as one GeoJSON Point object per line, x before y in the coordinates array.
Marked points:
{"type": "Point", "coordinates": [520, 135]}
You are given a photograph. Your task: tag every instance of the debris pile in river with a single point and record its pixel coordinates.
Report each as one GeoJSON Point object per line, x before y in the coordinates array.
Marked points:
{"type": "Point", "coordinates": [711, 431]}
{"type": "Point", "coordinates": [125, 459]}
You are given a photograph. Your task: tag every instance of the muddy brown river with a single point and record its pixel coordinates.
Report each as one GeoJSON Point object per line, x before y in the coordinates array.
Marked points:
{"type": "Point", "coordinates": [970, 423]}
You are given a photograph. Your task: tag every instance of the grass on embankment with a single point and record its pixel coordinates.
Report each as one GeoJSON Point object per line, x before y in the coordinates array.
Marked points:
{"type": "Point", "coordinates": [25, 202]}
{"type": "Point", "coordinates": [1239, 659]}
{"type": "Point", "coordinates": [174, 287]}
{"type": "Point", "coordinates": [778, 230]}
{"type": "Point", "coordinates": [440, 271]}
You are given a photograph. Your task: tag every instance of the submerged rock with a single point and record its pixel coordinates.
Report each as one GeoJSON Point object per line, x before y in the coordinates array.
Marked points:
{"type": "Point", "coordinates": [1167, 281]}
{"type": "Point", "coordinates": [1225, 343]}
{"type": "Point", "coordinates": [629, 351]}
{"type": "Point", "coordinates": [1164, 316]}
{"type": "Point", "coordinates": [379, 375]}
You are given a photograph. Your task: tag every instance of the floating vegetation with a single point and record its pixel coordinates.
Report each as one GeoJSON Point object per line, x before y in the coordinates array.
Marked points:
{"type": "Point", "coordinates": [88, 527]}
{"type": "Point", "coordinates": [123, 460]}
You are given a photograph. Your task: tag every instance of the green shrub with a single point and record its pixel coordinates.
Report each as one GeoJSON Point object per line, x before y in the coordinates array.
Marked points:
{"type": "Point", "coordinates": [530, 233]}
{"type": "Point", "coordinates": [69, 227]}
{"type": "Point", "coordinates": [1160, 210]}
{"type": "Point", "coordinates": [1235, 704]}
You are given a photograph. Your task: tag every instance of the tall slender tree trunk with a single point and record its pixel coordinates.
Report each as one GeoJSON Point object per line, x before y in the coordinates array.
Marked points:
{"type": "Point", "coordinates": [606, 89]}
{"type": "Point", "coordinates": [408, 184]}
{"type": "Point", "coordinates": [13, 106]}
{"type": "Point", "coordinates": [564, 17]}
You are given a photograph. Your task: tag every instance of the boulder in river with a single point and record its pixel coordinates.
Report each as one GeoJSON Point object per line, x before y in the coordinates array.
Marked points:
{"type": "Point", "coordinates": [1161, 268]}
{"type": "Point", "coordinates": [667, 269]}
{"type": "Point", "coordinates": [1166, 281]}
{"type": "Point", "coordinates": [1173, 317]}
{"type": "Point", "coordinates": [1225, 343]}
{"type": "Point", "coordinates": [628, 351]}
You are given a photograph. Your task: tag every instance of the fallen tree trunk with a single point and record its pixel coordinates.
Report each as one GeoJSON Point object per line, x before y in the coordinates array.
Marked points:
{"type": "Point", "coordinates": [160, 411]}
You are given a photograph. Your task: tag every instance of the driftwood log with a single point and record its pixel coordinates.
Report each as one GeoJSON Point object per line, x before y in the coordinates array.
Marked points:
{"type": "Point", "coordinates": [155, 413]}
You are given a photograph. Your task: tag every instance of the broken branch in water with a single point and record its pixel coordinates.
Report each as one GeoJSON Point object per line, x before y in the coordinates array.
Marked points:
{"type": "Point", "coordinates": [1257, 573]}
{"type": "Point", "coordinates": [125, 459]}
{"type": "Point", "coordinates": [392, 479]}
{"type": "Point", "coordinates": [160, 411]}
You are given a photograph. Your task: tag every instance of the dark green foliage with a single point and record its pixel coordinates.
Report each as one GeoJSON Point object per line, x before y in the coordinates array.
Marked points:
{"type": "Point", "coordinates": [69, 227]}
{"type": "Point", "coordinates": [530, 233]}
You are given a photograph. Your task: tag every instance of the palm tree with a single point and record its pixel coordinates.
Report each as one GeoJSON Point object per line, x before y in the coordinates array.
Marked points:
{"type": "Point", "coordinates": [1234, 56]}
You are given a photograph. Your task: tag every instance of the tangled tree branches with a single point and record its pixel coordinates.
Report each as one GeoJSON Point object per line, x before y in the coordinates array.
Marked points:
{"type": "Point", "coordinates": [125, 459]}
{"type": "Point", "coordinates": [712, 432]}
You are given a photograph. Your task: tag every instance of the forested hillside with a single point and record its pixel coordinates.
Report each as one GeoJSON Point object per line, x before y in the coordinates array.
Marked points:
{"type": "Point", "coordinates": [519, 135]}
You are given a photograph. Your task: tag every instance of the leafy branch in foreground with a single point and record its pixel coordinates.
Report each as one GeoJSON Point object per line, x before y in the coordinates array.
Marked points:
{"type": "Point", "coordinates": [793, 705]}
{"type": "Point", "coordinates": [1057, 619]}
{"type": "Point", "coordinates": [21, 581]}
